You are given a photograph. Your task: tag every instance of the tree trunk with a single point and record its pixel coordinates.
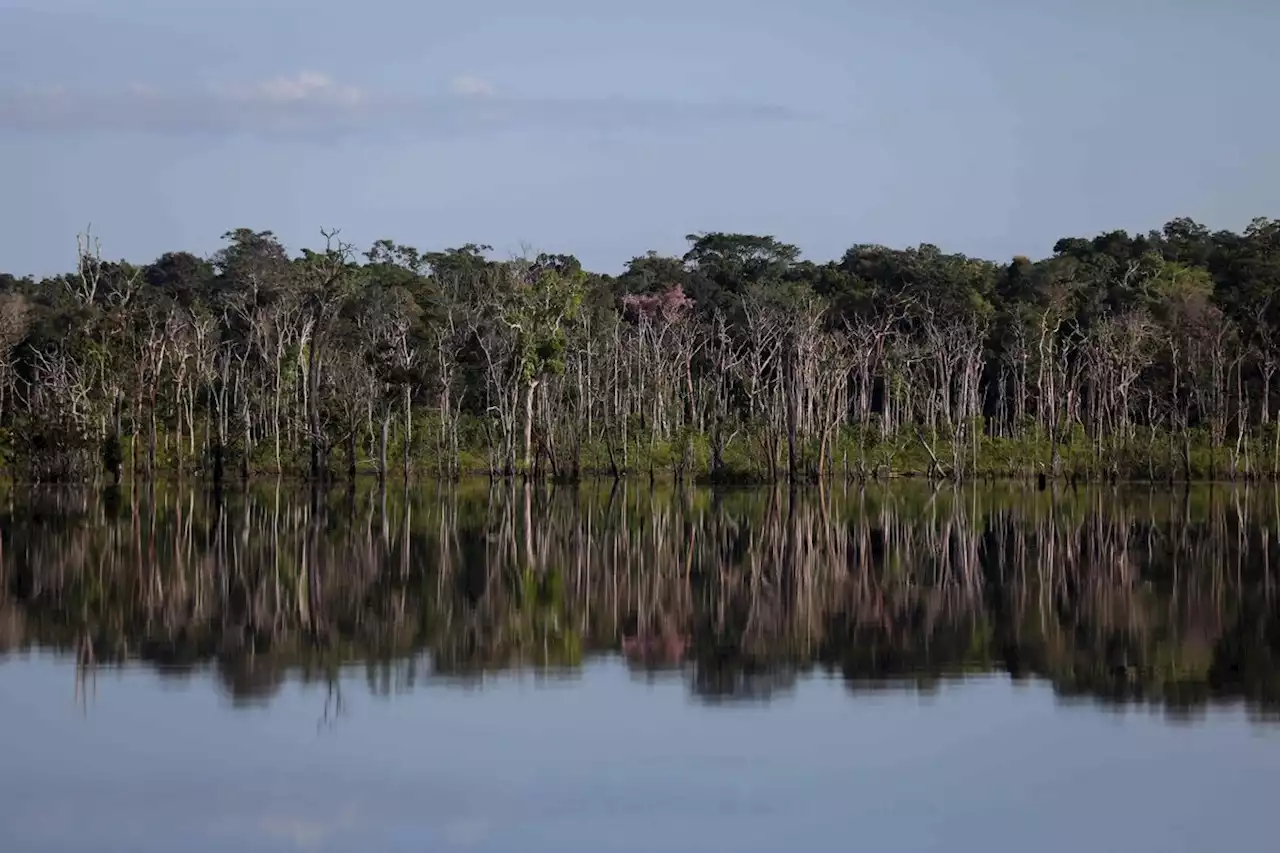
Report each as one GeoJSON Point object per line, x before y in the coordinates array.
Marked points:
{"type": "Point", "coordinates": [1186, 453]}
{"type": "Point", "coordinates": [382, 447]}
{"type": "Point", "coordinates": [313, 419]}
{"type": "Point", "coordinates": [1275, 451]}
{"type": "Point", "coordinates": [220, 432]}
{"type": "Point", "coordinates": [275, 414]}
{"type": "Point", "coordinates": [113, 460]}
{"type": "Point", "coordinates": [133, 435]}
{"type": "Point", "coordinates": [408, 430]}
{"type": "Point", "coordinates": [351, 453]}
{"type": "Point", "coordinates": [528, 426]}
{"type": "Point", "coordinates": [151, 438]}
{"type": "Point", "coordinates": [793, 403]}
{"type": "Point", "coordinates": [248, 445]}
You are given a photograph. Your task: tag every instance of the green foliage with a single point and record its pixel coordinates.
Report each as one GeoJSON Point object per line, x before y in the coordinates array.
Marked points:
{"type": "Point", "coordinates": [545, 303]}
{"type": "Point", "coordinates": [281, 358]}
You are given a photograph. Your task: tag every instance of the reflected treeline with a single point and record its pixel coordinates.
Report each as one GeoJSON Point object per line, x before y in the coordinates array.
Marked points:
{"type": "Point", "coordinates": [1122, 595]}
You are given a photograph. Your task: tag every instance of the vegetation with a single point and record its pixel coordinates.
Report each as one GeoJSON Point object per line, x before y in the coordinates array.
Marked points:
{"type": "Point", "coordinates": [1123, 594]}
{"type": "Point", "coordinates": [1121, 356]}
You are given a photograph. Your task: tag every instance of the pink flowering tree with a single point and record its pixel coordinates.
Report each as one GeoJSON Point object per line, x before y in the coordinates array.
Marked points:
{"type": "Point", "coordinates": [669, 305]}
{"type": "Point", "coordinates": [665, 342]}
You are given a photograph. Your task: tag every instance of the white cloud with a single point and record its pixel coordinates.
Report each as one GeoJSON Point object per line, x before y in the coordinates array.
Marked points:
{"type": "Point", "coordinates": [310, 102]}
{"type": "Point", "coordinates": [303, 86]}
{"type": "Point", "coordinates": [470, 86]}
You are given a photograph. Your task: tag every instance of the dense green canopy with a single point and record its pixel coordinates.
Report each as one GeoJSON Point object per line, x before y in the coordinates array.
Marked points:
{"type": "Point", "coordinates": [1118, 355]}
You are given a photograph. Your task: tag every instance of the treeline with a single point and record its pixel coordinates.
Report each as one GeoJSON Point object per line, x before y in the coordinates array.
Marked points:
{"type": "Point", "coordinates": [1149, 356]}
{"type": "Point", "coordinates": [1118, 594]}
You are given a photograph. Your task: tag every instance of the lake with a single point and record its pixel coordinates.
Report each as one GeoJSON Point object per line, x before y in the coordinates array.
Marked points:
{"type": "Point", "coordinates": [620, 668]}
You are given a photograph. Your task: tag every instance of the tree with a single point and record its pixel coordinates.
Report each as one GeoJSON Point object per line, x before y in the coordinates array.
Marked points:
{"type": "Point", "coordinates": [1092, 362]}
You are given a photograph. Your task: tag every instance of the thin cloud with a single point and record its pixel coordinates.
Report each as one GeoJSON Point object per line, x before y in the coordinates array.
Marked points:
{"type": "Point", "coordinates": [470, 86]}
{"type": "Point", "coordinates": [311, 86]}
{"type": "Point", "coordinates": [312, 103]}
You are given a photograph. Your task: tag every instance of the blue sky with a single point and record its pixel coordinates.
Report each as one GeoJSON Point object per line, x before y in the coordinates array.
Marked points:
{"type": "Point", "coordinates": [990, 127]}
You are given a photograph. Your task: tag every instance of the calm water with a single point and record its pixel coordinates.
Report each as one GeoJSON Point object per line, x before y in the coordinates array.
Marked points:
{"type": "Point", "coordinates": [626, 670]}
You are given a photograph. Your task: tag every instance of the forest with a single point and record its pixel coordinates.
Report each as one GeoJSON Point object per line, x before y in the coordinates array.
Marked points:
{"type": "Point", "coordinates": [1119, 356]}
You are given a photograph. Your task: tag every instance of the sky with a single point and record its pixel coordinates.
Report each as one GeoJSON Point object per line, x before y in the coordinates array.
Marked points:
{"type": "Point", "coordinates": [607, 129]}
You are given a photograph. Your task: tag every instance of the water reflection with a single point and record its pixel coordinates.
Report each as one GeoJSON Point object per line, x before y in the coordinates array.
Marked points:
{"type": "Point", "coordinates": [1125, 596]}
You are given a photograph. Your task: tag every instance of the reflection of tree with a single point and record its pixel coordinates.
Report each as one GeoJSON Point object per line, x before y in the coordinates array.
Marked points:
{"type": "Point", "coordinates": [251, 679]}
{"type": "Point", "coordinates": [334, 706]}
{"type": "Point", "coordinates": [1122, 596]}
{"type": "Point", "coordinates": [86, 673]}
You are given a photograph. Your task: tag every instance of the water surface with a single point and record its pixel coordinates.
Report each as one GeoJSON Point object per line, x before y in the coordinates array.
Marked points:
{"type": "Point", "coordinates": [623, 669]}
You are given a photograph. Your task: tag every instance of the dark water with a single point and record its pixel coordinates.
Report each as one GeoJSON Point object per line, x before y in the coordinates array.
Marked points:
{"type": "Point", "coordinates": [626, 670]}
